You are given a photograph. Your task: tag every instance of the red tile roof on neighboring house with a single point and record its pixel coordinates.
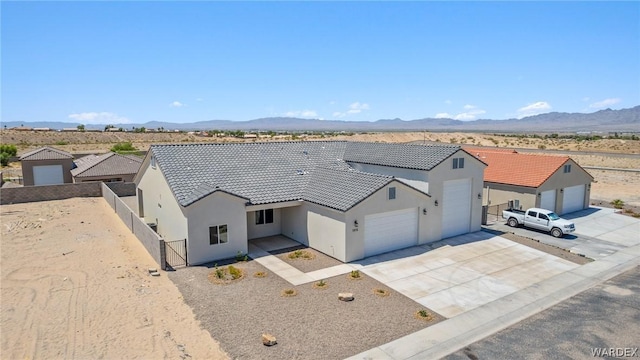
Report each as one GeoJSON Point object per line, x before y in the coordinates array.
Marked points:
{"type": "Point", "coordinates": [507, 166]}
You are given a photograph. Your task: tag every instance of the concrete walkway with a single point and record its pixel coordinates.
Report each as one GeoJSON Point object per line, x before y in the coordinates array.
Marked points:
{"type": "Point", "coordinates": [259, 251]}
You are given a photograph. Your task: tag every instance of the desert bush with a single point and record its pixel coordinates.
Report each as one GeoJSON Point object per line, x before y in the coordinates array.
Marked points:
{"type": "Point", "coordinates": [234, 272]}
{"type": "Point", "coordinates": [355, 274]}
{"type": "Point", "coordinates": [617, 203]}
{"type": "Point", "coordinates": [289, 292]}
{"type": "Point", "coordinates": [123, 147]}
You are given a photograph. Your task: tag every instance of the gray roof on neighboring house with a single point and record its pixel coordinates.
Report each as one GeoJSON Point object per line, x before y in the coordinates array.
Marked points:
{"type": "Point", "coordinates": [273, 172]}
{"type": "Point", "coordinates": [109, 164]}
{"type": "Point", "coordinates": [46, 153]}
{"type": "Point", "coordinates": [420, 157]}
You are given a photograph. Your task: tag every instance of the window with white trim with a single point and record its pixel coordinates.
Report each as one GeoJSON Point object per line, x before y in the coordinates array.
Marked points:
{"type": "Point", "coordinates": [392, 193]}
{"type": "Point", "coordinates": [567, 168]}
{"type": "Point", "coordinates": [153, 161]}
{"type": "Point", "coordinates": [218, 235]}
{"type": "Point", "coordinates": [458, 163]}
{"type": "Point", "coordinates": [264, 216]}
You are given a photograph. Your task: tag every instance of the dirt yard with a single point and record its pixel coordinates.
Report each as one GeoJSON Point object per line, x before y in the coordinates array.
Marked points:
{"type": "Point", "coordinates": [75, 284]}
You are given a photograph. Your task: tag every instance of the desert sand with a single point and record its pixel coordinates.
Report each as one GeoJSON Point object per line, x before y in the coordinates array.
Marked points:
{"type": "Point", "coordinates": [75, 284]}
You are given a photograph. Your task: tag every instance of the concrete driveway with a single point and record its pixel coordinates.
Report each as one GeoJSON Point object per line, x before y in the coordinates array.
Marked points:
{"type": "Point", "coordinates": [600, 232]}
{"type": "Point", "coordinates": [464, 272]}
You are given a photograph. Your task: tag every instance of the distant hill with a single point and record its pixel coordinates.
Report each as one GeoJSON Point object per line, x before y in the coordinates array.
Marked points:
{"type": "Point", "coordinates": [624, 120]}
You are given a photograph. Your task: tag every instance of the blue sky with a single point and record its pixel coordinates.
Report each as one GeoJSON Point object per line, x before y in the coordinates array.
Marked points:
{"type": "Point", "coordinates": [133, 62]}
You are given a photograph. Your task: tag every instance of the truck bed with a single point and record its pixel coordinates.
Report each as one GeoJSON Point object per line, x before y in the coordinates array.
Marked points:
{"type": "Point", "coordinates": [517, 211]}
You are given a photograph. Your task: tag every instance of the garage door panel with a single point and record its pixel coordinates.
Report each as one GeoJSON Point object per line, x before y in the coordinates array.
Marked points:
{"type": "Point", "coordinates": [456, 207]}
{"type": "Point", "coordinates": [390, 231]}
{"type": "Point", "coordinates": [548, 200]}
{"type": "Point", "coordinates": [573, 199]}
{"type": "Point", "coordinates": [48, 175]}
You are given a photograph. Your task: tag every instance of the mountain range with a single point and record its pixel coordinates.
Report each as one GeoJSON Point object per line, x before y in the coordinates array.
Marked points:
{"type": "Point", "coordinates": [623, 120]}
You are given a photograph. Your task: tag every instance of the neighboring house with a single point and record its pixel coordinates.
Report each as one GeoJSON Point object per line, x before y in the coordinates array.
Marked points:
{"type": "Point", "coordinates": [347, 200]}
{"type": "Point", "coordinates": [46, 166]}
{"type": "Point", "coordinates": [556, 183]}
{"type": "Point", "coordinates": [107, 167]}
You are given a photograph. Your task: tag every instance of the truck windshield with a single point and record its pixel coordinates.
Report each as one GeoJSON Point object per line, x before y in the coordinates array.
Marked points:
{"type": "Point", "coordinates": [553, 216]}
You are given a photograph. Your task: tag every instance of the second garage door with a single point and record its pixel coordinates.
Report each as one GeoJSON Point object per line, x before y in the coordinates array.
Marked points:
{"type": "Point", "coordinates": [456, 207]}
{"type": "Point", "coordinates": [390, 231]}
{"type": "Point", "coordinates": [573, 199]}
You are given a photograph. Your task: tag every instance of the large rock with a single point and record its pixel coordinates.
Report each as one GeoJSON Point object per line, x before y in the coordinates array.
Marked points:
{"type": "Point", "coordinates": [345, 296]}
{"type": "Point", "coordinates": [268, 339]}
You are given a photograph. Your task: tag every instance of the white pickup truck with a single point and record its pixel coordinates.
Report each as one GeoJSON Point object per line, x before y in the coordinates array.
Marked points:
{"type": "Point", "coordinates": [539, 219]}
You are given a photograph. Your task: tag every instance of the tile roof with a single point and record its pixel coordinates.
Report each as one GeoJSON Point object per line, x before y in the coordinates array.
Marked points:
{"type": "Point", "coordinates": [283, 171]}
{"type": "Point", "coordinates": [46, 153]}
{"type": "Point", "coordinates": [342, 189]}
{"type": "Point", "coordinates": [509, 167]}
{"type": "Point", "coordinates": [109, 164]}
{"type": "Point", "coordinates": [420, 157]}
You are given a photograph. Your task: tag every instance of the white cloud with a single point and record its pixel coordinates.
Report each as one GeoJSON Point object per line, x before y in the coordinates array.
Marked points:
{"type": "Point", "coordinates": [177, 104]}
{"type": "Point", "coordinates": [99, 118]}
{"type": "Point", "coordinates": [534, 109]}
{"type": "Point", "coordinates": [471, 113]}
{"type": "Point", "coordinates": [357, 107]}
{"type": "Point", "coordinates": [301, 113]}
{"type": "Point", "coordinates": [604, 103]}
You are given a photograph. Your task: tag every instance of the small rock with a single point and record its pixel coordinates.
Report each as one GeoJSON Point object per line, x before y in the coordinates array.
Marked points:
{"type": "Point", "coordinates": [268, 340]}
{"type": "Point", "coordinates": [155, 273]}
{"type": "Point", "coordinates": [152, 270]}
{"type": "Point", "coordinates": [345, 296]}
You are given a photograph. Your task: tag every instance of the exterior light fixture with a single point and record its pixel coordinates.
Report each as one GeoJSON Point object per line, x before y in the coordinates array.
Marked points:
{"type": "Point", "coordinates": [561, 190]}
{"type": "Point", "coordinates": [424, 211]}
{"type": "Point", "coordinates": [479, 196]}
{"type": "Point", "coordinates": [436, 203]}
{"type": "Point", "coordinates": [355, 223]}
{"type": "Point", "coordinates": [539, 194]}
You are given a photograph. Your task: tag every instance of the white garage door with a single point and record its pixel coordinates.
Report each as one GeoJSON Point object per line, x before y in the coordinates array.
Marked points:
{"type": "Point", "coordinates": [548, 200]}
{"type": "Point", "coordinates": [456, 207]}
{"type": "Point", "coordinates": [47, 175]}
{"type": "Point", "coordinates": [390, 231]}
{"type": "Point", "coordinates": [573, 199]}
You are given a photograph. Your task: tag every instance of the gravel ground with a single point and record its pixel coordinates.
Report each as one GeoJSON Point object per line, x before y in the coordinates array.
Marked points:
{"type": "Point", "coordinates": [320, 261]}
{"type": "Point", "coordinates": [312, 325]}
{"type": "Point", "coordinates": [549, 249]}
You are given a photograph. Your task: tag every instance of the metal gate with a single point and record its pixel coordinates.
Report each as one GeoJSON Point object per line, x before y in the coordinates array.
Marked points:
{"type": "Point", "coordinates": [176, 253]}
{"type": "Point", "coordinates": [494, 213]}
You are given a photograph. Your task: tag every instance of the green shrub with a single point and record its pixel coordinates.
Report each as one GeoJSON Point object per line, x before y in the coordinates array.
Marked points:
{"type": "Point", "coordinates": [617, 203]}
{"type": "Point", "coordinates": [123, 147]}
{"type": "Point", "coordinates": [235, 272]}
{"type": "Point", "coordinates": [4, 159]}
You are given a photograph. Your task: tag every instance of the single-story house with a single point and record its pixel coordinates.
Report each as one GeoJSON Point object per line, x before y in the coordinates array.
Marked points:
{"type": "Point", "coordinates": [46, 166]}
{"type": "Point", "coordinates": [556, 183]}
{"type": "Point", "coordinates": [107, 167]}
{"type": "Point", "coordinates": [349, 200]}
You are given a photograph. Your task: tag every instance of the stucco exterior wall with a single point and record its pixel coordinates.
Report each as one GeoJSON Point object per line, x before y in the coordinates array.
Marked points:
{"type": "Point", "coordinates": [378, 202]}
{"type": "Point", "coordinates": [474, 170]}
{"type": "Point", "coordinates": [160, 206]}
{"type": "Point", "coordinates": [327, 232]}
{"type": "Point", "coordinates": [123, 178]}
{"type": "Point", "coordinates": [501, 193]}
{"type": "Point", "coordinates": [27, 169]}
{"type": "Point", "coordinates": [216, 209]}
{"type": "Point", "coordinates": [255, 231]}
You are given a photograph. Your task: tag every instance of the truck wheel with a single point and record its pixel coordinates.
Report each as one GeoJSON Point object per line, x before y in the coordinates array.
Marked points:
{"type": "Point", "coordinates": [512, 222]}
{"type": "Point", "coordinates": [555, 232]}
